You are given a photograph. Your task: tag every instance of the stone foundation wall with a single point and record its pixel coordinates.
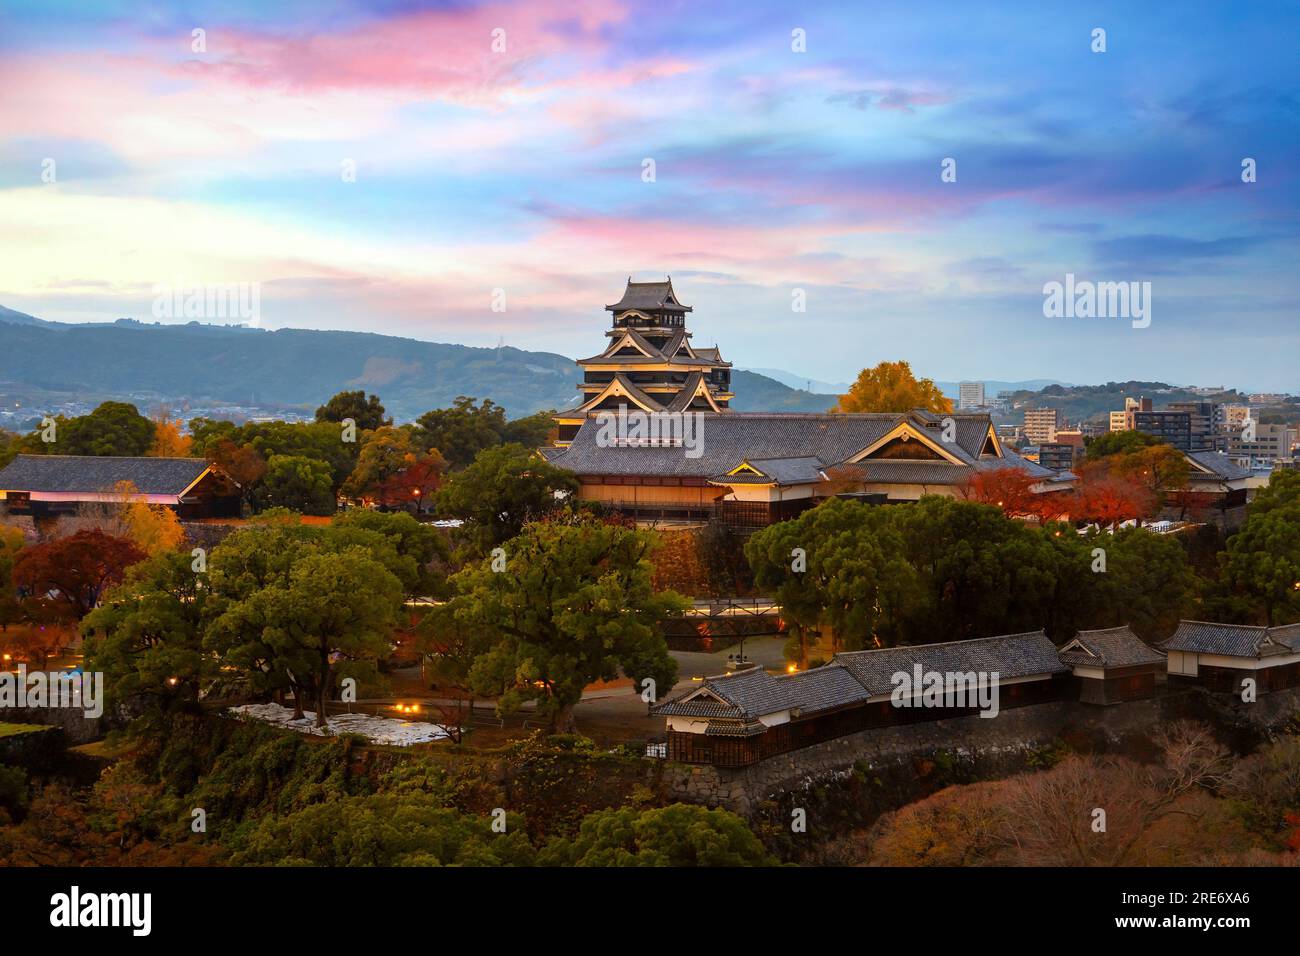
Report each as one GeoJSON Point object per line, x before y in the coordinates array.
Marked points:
{"type": "Point", "coordinates": [992, 746]}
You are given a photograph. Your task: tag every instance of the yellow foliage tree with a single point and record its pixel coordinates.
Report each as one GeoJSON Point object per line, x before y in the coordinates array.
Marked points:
{"type": "Point", "coordinates": [891, 387]}
{"type": "Point", "coordinates": [152, 528]}
{"type": "Point", "coordinates": [168, 442]}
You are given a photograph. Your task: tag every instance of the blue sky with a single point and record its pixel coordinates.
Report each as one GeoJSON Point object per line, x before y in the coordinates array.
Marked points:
{"type": "Point", "coordinates": [521, 169]}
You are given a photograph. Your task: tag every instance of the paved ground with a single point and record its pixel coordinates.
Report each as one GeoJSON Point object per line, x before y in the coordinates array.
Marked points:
{"type": "Point", "coordinates": [614, 712]}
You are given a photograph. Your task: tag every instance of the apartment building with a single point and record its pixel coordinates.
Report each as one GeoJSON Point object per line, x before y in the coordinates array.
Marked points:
{"type": "Point", "coordinates": [1040, 425]}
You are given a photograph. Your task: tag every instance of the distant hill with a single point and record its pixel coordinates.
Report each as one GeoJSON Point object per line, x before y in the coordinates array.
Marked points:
{"type": "Point", "coordinates": [991, 386]}
{"type": "Point", "coordinates": [792, 380]}
{"type": "Point", "coordinates": [305, 367]}
{"type": "Point", "coordinates": [19, 318]}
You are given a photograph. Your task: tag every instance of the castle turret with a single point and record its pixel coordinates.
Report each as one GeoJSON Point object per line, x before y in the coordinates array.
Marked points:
{"type": "Point", "coordinates": [649, 363]}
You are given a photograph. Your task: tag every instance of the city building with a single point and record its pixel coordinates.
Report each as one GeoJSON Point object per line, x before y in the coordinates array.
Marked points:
{"type": "Point", "coordinates": [1259, 447]}
{"type": "Point", "coordinates": [1204, 432]}
{"type": "Point", "coordinates": [1040, 425]}
{"type": "Point", "coordinates": [1234, 415]}
{"type": "Point", "coordinates": [1057, 456]}
{"type": "Point", "coordinates": [1172, 427]}
{"type": "Point", "coordinates": [970, 395]}
{"type": "Point", "coordinates": [649, 363]}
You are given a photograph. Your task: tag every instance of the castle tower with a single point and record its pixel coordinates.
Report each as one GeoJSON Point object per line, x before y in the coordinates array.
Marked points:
{"type": "Point", "coordinates": [649, 363]}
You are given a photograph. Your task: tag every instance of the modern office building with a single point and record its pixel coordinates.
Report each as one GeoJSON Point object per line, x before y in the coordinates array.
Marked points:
{"type": "Point", "coordinates": [970, 395]}
{"type": "Point", "coordinates": [1204, 435]}
{"type": "Point", "coordinates": [1172, 427]}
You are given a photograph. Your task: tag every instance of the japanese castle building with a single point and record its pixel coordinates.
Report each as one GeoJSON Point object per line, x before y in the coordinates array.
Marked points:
{"type": "Point", "coordinates": [750, 468]}
{"type": "Point", "coordinates": [649, 363]}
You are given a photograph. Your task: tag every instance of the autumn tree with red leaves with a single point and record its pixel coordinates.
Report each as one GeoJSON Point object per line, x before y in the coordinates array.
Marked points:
{"type": "Point", "coordinates": [1012, 490]}
{"type": "Point", "coordinates": [1108, 501]}
{"type": "Point", "coordinates": [74, 571]}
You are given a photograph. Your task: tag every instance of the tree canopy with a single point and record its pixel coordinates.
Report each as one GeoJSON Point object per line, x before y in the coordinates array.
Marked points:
{"type": "Point", "coordinates": [366, 412]}
{"type": "Point", "coordinates": [76, 570]}
{"type": "Point", "coordinates": [891, 387]}
{"type": "Point", "coordinates": [504, 488]}
{"type": "Point", "coordinates": [562, 606]}
{"type": "Point", "coordinates": [112, 429]}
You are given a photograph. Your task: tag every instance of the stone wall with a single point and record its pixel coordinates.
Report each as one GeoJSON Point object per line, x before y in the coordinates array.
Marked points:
{"type": "Point", "coordinates": [989, 747]}
{"type": "Point", "coordinates": [76, 726]}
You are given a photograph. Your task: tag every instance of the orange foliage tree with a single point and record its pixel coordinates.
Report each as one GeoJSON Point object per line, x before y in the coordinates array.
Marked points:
{"type": "Point", "coordinates": [891, 387]}
{"type": "Point", "coordinates": [74, 571]}
{"type": "Point", "coordinates": [1012, 490]}
{"type": "Point", "coordinates": [168, 442]}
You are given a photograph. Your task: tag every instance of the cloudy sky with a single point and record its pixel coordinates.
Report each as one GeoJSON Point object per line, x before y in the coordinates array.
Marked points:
{"type": "Point", "coordinates": [523, 169]}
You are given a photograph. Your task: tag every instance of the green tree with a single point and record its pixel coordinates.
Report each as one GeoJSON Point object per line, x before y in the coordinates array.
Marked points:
{"type": "Point", "coordinates": [147, 637]}
{"type": "Point", "coordinates": [1118, 443]}
{"type": "Point", "coordinates": [294, 481]}
{"type": "Point", "coordinates": [461, 432]}
{"type": "Point", "coordinates": [383, 830]}
{"type": "Point", "coordinates": [839, 565]}
{"type": "Point", "coordinates": [504, 488]}
{"type": "Point", "coordinates": [1282, 490]}
{"type": "Point", "coordinates": [10, 446]}
{"type": "Point", "coordinates": [388, 456]}
{"type": "Point", "coordinates": [367, 413]}
{"type": "Point", "coordinates": [1262, 560]}
{"type": "Point", "coordinates": [114, 428]}
{"type": "Point", "coordinates": [531, 431]}
{"type": "Point", "coordinates": [332, 618]}
{"type": "Point", "coordinates": [1151, 584]}
{"type": "Point", "coordinates": [980, 572]}
{"type": "Point", "coordinates": [573, 604]}
{"type": "Point", "coordinates": [422, 547]}
{"type": "Point", "coordinates": [676, 835]}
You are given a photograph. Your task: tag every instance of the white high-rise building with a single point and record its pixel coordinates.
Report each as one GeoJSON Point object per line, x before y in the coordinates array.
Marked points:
{"type": "Point", "coordinates": [970, 395]}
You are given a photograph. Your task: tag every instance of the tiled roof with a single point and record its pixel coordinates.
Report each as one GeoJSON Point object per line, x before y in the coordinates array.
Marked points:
{"type": "Point", "coordinates": [823, 688]}
{"type": "Point", "coordinates": [779, 471]}
{"type": "Point", "coordinates": [91, 474]}
{"type": "Point", "coordinates": [1287, 634]}
{"type": "Point", "coordinates": [679, 706]}
{"type": "Point", "coordinates": [727, 728]}
{"type": "Point", "coordinates": [754, 693]}
{"type": "Point", "coordinates": [1218, 463]}
{"type": "Point", "coordinates": [854, 677]}
{"type": "Point", "coordinates": [1013, 655]}
{"type": "Point", "coordinates": [1233, 640]}
{"type": "Point", "coordinates": [1111, 647]}
{"type": "Point", "coordinates": [648, 297]}
{"type": "Point", "coordinates": [654, 359]}
{"type": "Point", "coordinates": [730, 438]}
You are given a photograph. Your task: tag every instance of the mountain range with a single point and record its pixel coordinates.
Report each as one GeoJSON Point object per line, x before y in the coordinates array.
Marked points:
{"type": "Point", "coordinates": [304, 367]}
{"type": "Point", "coordinates": [950, 389]}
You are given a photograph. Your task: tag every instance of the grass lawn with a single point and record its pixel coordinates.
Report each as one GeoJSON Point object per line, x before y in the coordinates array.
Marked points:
{"type": "Point", "coordinates": [13, 730]}
{"type": "Point", "coordinates": [102, 749]}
